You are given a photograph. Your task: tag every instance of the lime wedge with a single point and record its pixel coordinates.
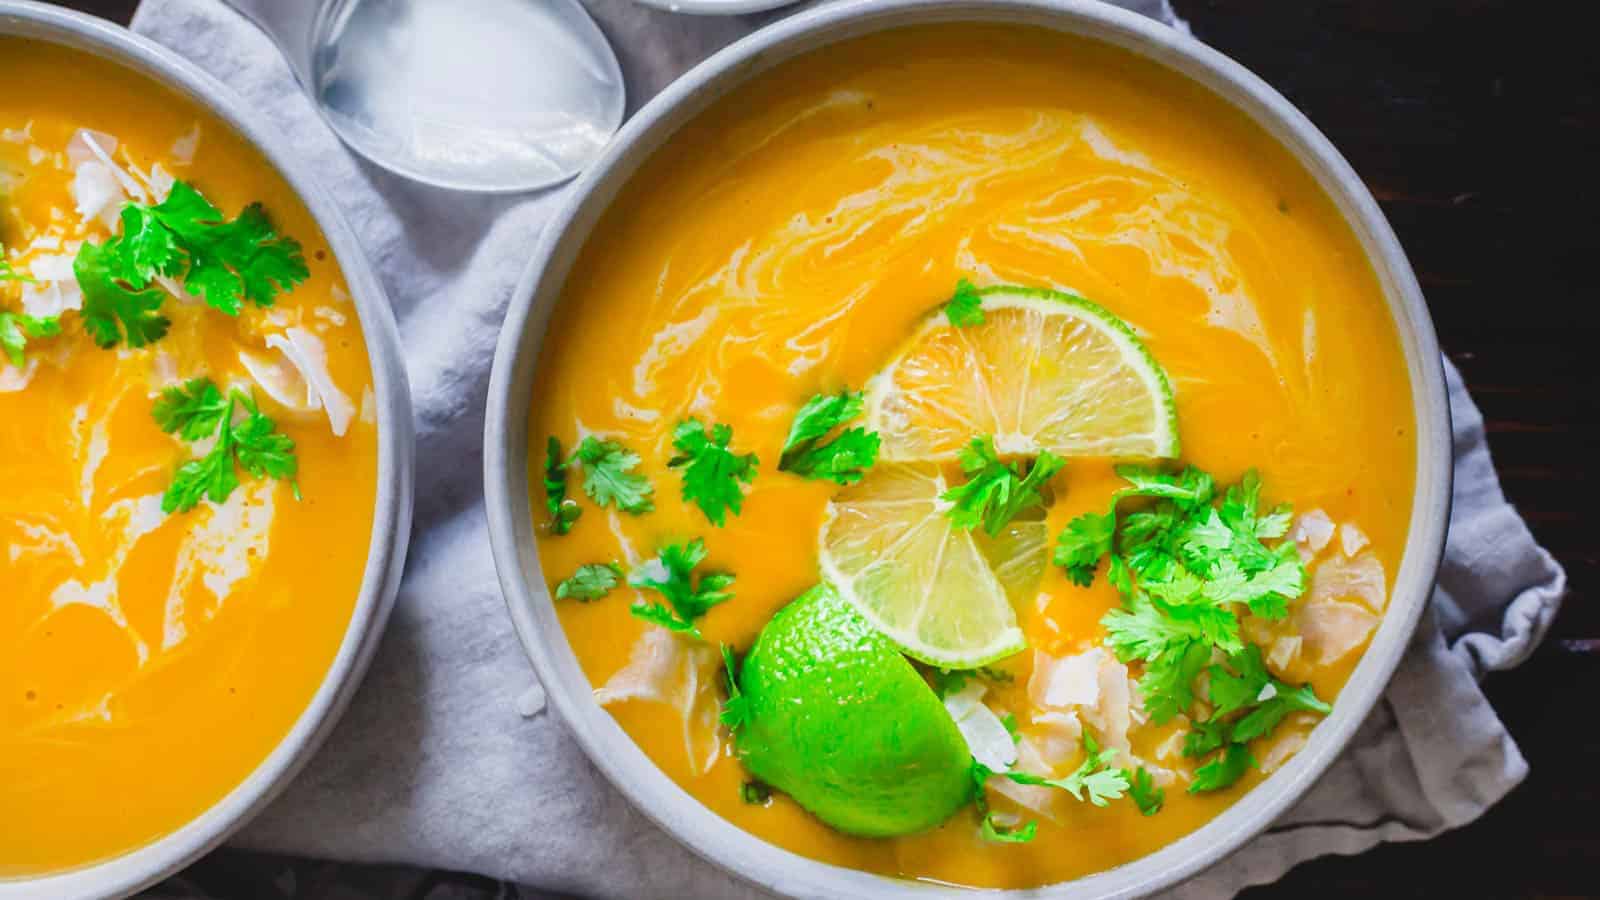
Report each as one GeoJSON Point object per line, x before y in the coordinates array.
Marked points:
{"type": "Point", "coordinates": [944, 594]}
{"type": "Point", "coordinates": [1045, 371]}
{"type": "Point", "coordinates": [833, 716]}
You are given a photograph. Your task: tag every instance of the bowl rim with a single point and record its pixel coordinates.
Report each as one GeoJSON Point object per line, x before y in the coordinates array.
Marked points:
{"type": "Point", "coordinates": [138, 868]}
{"type": "Point", "coordinates": [506, 461]}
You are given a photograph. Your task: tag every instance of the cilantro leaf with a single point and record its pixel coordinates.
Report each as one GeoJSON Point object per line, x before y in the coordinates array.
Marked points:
{"type": "Point", "coordinates": [115, 309]}
{"type": "Point", "coordinates": [609, 479]}
{"type": "Point", "coordinates": [1188, 489]}
{"type": "Point", "coordinates": [590, 582]}
{"type": "Point", "coordinates": [225, 262]}
{"type": "Point", "coordinates": [1094, 781]}
{"type": "Point", "coordinates": [1142, 789]}
{"type": "Point", "coordinates": [563, 510]}
{"type": "Point", "coordinates": [1007, 834]}
{"type": "Point", "coordinates": [259, 447]}
{"type": "Point", "coordinates": [965, 307]}
{"type": "Point", "coordinates": [733, 709]}
{"type": "Point", "coordinates": [17, 328]}
{"type": "Point", "coordinates": [1223, 770]}
{"type": "Point", "coordinates": [1009, 723]}
{"type": "Point", "coordinates": [755, 793]}
{"type": "Point", "coordinates": [196, 411]}
{"type": "Point", "coordinates": [1082, 543]}
{"type": "Point", "coordinates": [845, 458]}
{"type": "Point", "coordinates": [1266, 717]}
{"type": "Point", "coordinates": [192, 411]}
{"type": "Point", "coordinates": [9, 274]}
{"type": "Point", "coordinates": [988, 827]}
{"type": "Point", "coordinates": [712, 473]}
{"type": "Point", "coordinates": [671, 574]}
{"type": "Point", "coordinates": [995, 492]}
{"type": "Point", "coordinates": [210, 477]}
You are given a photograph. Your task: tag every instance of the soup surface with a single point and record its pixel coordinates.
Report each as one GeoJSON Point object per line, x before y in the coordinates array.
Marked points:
{"type": "Point", "coordinates": [151, 658]}
{"type": "Point", "coordinates": [787, 242]}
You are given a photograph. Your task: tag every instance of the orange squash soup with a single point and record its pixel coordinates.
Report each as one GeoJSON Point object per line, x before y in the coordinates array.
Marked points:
{"type": "Point", "coordinates": [1065, 379]}
{"type": "Point", "coordinates": [188, 444]}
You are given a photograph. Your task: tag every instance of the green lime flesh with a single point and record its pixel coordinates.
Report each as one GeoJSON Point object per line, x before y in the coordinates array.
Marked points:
{"type": "Point", "coordinates": [840, 721]}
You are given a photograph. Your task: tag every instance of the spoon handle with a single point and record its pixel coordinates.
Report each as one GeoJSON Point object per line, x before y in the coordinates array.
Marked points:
{"type": "Point", "coordinates": [290, 24]}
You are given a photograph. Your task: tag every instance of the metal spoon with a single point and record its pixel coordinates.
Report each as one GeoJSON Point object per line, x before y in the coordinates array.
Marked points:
{"type": "Point", "coordinates": [474, 95]}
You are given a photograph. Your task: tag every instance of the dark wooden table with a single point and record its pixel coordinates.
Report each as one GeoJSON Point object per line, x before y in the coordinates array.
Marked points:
{"type": "Point", "coordinates": [1476, 123]}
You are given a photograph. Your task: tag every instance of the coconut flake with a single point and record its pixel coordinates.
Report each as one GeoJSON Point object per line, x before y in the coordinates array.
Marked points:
{"type": "Point", "coordinates": [1331, 629]}
{"type": "Point", "coordinates": [98, 194]}
{"type": "Point", "coordinates": [183, 149]}
{"type": "Point", "coordinates": [664, 668]}
{"type": "Point", "coordinates": [13, 379]}
{"type": "Point", "coordinates": [1283, 652]}
{"type": "Point", "coordinates": [1313, 530]}
{"type": "Point", "coordinates": [1284, 748]}
{"type": "Point", "coordinates": [310, 386]}
{"type": "Point", "coordinates": [1336, 578]}
{"type": "Point", "coordinates": [1040, 799]}
{"type": "Point", "coordinates": [56, 289]}
{"type": "Point", "coordinates": [1351, 539]}
{"type": "Point", "coordinates": [1065, 682]}
{"type": "Point", "coordinates": [986, 735]}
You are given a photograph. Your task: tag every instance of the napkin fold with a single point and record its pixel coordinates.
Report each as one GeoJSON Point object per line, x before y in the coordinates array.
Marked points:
{"type": "Point", "coordinates": [446, 760]}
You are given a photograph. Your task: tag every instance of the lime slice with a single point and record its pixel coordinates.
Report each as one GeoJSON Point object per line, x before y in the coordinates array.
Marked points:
{"type": "Point", "coordinates": [833, 716]}
{"type": "Point", "coordinates": [1045, 371]}
{"type": "Point", "coordinates": [944, 594]}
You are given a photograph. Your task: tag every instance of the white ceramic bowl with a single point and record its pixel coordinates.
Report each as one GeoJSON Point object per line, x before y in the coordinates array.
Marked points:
{"type": "Point", "coordinates": [510, 394]}
{"type": "Point", "coordinates": [391, 524]}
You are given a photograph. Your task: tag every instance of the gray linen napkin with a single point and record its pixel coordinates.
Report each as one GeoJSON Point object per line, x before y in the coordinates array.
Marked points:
{"type": "Point", "coordinates": [443, 760]}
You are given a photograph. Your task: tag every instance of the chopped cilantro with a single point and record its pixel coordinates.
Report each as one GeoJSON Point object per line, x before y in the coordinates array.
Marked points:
{"type": "Point", "coordinates": [1081, 545]}
{"type": "Point", "coordinates": [608, 476]}
{"type": "Point", "coordinates": [198, 410]}
{"type": "Point", "coordinates": [1223, 770]}
{"type": "Point", "coordinates": [7, 273]}
{"type": "Point", "coordinates": [965, 306]}
{"type": "Point", "coordinates": [712, 473]}
{"type": "Point", "coordinates": [1009, 723]}
{"type": "Point", "coordinates": [1143, 791]}
{"type": "Point", "coordinates": [755, 793]}
{"type": "Point", "coordinates": [671, 574]}
{"type": "Point", "coordinates": [563, 510]}
{"type": "Point", "coordinates": [951, 681]}
{"type": "Point", "coordinates": [17, 328]}
{"type": "Point", "coordinates": [591, 582]}
{"type": "Point", "coordinates": [1187, 567]}
{"type": "Point", "coordinates": [995, 492]}
{"type": "Point", "coordinates": [115, 309]}
{"type": "Point", "coordinates": [842, 460]}
{"type": "Point", "coordinates": [733, 709]}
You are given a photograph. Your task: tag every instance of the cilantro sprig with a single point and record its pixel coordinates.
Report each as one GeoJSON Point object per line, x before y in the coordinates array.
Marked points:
{"type": "Point", "coordinates": [995, 492]}
{"type": "Point", "coordinates": [712, 473]}
{"type": "Point", "coordinates": [16, 329]}
{"type": "Point", "coordinates": [564, 511]}
{"type": "Point", "coordinates": [608, 476]}
{"type": "Point", "coordinates": [1095, 781]}
{"type": "Point", "coordinates": [226, 262]}
{"type": "Point", "coordinates": [198, 410]}
{"type": "Point", "coordinates": [688, 597]}
{"type": "Point", "coordinates": [734, 709]}
{"type": "Point", "coordinates": [590, 582]}
{"type": "Point", "coordinates": [842, 459]}
{"type": "Point", "coordinates": [1247, 703]}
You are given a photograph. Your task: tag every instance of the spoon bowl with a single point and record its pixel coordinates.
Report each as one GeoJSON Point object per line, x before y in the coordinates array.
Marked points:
{"type": "Point", "coordinates": [491, 96]}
